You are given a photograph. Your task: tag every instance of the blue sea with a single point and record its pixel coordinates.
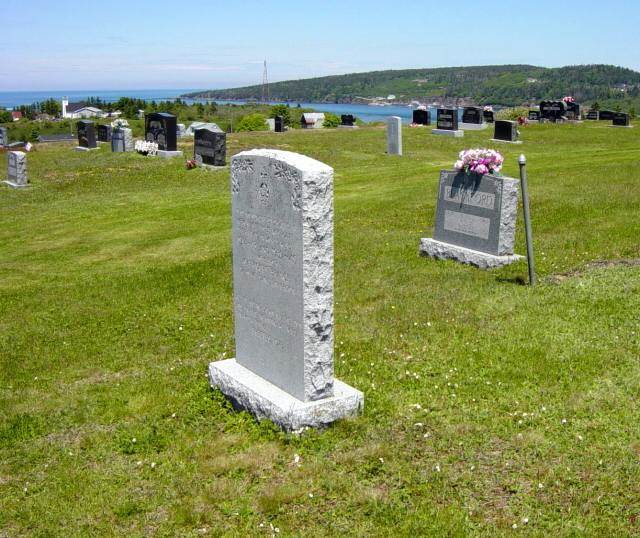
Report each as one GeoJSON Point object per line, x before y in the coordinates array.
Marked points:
{"type": "Point", "coordinates": [365, 113]}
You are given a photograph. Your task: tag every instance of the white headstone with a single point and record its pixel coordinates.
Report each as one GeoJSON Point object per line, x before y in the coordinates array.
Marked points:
{"type": "Point", "coordinates": [17, 169]}
{"type": "Point", "coordinates": [282, 209]}
{"type": "Point", "coordinates": [394, 135]}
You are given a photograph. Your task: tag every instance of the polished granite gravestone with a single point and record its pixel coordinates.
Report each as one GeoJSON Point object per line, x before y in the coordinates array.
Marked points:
{"type": "Point", "coordinates": [348, 121]}
{"type": "Point", "coordinates": [210, 146]}
{"type": "Point", "coordinates": [573, 111]}
{"type": "Point", "coordinates": [621, 119]}
{"type": "Point", "coordinates": [488, 116]}
{"type": "Point", "coordinates": [394, 135]}
{"type": "Point", "coordinates": [475, 220]}
{"type": "Point", "coordinates": [161, 128]}
{"type": "Point", "coordinates": [105, 133]}
{"type": "Point", "coordinates": [4, 137]}
{"type": "Point", "coordinates": [553, 110]}
{"type": "Point", "coordinates": [17, 169]}
{"type": "Point", "coordinates": [593, 115]}
{"type": "Point", "coordinates": [447, 123]}
{"type": "Point", "coordinates": [506, 131]}
{"type": "Point", "coordinates": [282, 227]}
{"type": "Point", "coordinates": [279, 126]}
{"type": "Point", "coordinates": [472, 119]}
{"type": "Point", "coordinates": [121, 140]}
{"type": "Point", "coordinates": [606, 115]}
{"type": "Point", "coordinates": [86, 136]}
{"type": "Point", "coordinates": [533, 115]}
{"type": "Point", "coordinates": [421, 117]}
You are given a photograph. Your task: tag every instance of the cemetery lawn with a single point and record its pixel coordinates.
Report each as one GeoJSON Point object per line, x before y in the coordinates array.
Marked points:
{"type": "Point", "coordinates": [491, 408]}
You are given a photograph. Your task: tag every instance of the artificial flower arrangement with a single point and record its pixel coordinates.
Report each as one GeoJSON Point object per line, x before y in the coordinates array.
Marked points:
{"type": "Point", "coordinates": [488, 108]}
{"type": "Point", "coordinates": [119, 123]}
{"type": "Point", "coordinates": [145, 147]}
{"type": "Point", "coordinates": [479, 161]}
{"type": "Point", "coordinates": [568, 99]}
{"type": "Point", "coordinates": [191, 164]}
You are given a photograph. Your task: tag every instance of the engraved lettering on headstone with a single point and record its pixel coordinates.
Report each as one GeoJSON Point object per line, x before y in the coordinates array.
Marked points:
{"type": "Point", "coordinates": [467, 224]}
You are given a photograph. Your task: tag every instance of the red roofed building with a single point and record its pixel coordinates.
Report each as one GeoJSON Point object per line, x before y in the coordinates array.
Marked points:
{"type": "Point", "coordinates": [16, 115]}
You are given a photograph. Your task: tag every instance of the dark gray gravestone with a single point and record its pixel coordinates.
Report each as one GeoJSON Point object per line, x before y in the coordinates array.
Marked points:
{"type": "Point", "coordinates": [104, 133]}
{"type": "Point", "coordinates": [4, 137]}
{"type": "Point", "coordinates": [279, 124]}
{"type": "Point", "coordinates": [86, 134]}
{"type": "Point", "coordinates": [475, 220]}
{"type": "Point", "coordinates": [121, 140]}
{"type": "Point", "coordinates": [553, 110]}
{"type": "Point", "coordinates": [447, 119]}
{"type": "Point", "coordinates": [593, 115]}
{"type": "Point", "coordinates": [607, 115]}
{"type": "Point", "coordinates": [161, 128]}
{"type": "Point", "coordinates": [573, 111]}
{"type": "Point", "coordinates": [534, 115]}
{"type": "Point", "coordinates": [421, 117]}
{"type": "Point", "coordinates": [210, 146]}
{"type": "Point", "coordinates": [621, 119]}
{"type": "Point", "coordinates": [506, 130]}
{"type": "Point", "coordinates": [347, 120]}
{"type": "Point", "coordinates": [472, 114]}
{"type": "Point", "coordinates": [488, 116]}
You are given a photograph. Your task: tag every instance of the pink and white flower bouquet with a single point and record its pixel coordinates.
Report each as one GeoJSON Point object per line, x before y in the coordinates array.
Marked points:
{"type": "Point", "coordinates": [568, 99]}
{"type": "Point", "coordinates": [479, 161]}
{"type": "Point", "coordinates": [488, 108]}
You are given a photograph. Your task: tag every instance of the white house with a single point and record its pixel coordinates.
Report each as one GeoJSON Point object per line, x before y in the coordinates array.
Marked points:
{"type": "Point", "coordinates": [312, 120]}
{"type": "Point", "coordinates": [80, 110]}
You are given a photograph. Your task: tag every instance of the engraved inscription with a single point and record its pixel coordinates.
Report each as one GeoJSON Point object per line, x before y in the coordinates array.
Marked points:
{"type": "Point", "coordinates": [485, 200]}
{"type": "Point", "coordinates": [467, 224]}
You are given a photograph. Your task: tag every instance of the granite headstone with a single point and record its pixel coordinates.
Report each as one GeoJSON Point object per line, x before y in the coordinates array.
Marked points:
{"type": "Point", "coordinates": [86, 134]}
{"type": "Point", "coordinates": [161, 128]}
{"type": "Point", "coordinates": [4, 137]}
{"type": "Point", "coordinates": [534, 115]}
{"type": "Point", "coordinates": [447, 119]}
{"type": "Point", "coordinates": [621, 119]}
{"type": "Point", "coordinates": [17, 169]}
{"type": "Point", "coordinates": [347, 120]}
{"type": "Point", "coordinates": [488, 116]}
{"type": "Point", "coordinates": [472, 114]}
{"type": "Point", "coordinates": [121, 140]}
{"type": "Point", "coordinates": [506, 130]}
{"type": "Point", "coordinates": [421, 117]}
{"type": "Point", "coordinates": [593, 115]}
{"type": "Point", "coordinates": [279, 124]}
{"type": "Point", "coordinates": [606, 115]}
{"type": "Point", "coordinates": [210, 146]}
{"type": "Point", "coordinates": [104, 133]}
{"type": "Point", "coordinates": [394, 135]}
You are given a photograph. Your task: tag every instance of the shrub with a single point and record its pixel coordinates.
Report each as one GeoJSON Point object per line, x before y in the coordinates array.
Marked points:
{"type": "Point", "coordinates": [512, 113]}
{"type": "Point", "coordinates": [331, 121]}
{"type": "Point", "coordinates": [252, 122]}
{"type": "Point", "coordinates": [282, 110]}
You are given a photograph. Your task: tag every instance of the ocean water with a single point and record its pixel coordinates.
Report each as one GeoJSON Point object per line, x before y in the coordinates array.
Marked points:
{"type": "Point", "coordinates": [365, 113]}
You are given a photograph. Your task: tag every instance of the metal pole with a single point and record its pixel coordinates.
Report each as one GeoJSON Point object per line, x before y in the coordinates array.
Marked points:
{"type": "Point", "coordinates": [527, 219]}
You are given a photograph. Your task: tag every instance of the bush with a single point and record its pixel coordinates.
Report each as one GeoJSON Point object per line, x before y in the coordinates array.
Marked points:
{"type": "Point", "coordinates": [331, 121]}
{"type": "Point", "coordinates": [5, 116]}
{"type": "Point", "coordinates": [284, 111]}
{"type": "Point", "coordinates": [252, 122]}
{"type": "Point", "coordinates": [512, 113]}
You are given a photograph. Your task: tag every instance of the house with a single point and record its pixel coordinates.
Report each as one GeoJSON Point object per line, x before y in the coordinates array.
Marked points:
{"type": "Point", "coordinates": [16, 115]}
{"type": "Point", "coordinates": [80, 110]}
{"type": "Point", "coordinates": [312, 120]}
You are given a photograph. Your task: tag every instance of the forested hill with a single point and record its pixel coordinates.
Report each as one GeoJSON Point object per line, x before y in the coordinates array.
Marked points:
{"type": "Point", "coordinates": [500, 85]}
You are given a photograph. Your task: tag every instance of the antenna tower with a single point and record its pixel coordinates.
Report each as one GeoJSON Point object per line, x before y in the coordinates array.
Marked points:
{"type": "Point", "coordinates": [266, 97]}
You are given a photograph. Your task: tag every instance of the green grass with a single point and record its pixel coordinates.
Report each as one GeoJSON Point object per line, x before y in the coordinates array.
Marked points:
{"type": "Point", "coordinates": [486, 401]}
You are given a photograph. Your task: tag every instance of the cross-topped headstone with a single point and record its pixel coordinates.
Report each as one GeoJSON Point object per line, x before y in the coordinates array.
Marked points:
{"type": "Point", "coordinates": [282, 214]}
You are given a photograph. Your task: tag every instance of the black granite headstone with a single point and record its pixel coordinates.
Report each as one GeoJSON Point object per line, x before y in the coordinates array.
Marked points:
{"type": "Point", "coordinates": [279, 124]}
{"type": "Point", "coordinates": [506, 130]}
{"type": "Point", "coordinates": [621, 119]}
{"type": "Point", "coordinates": [553, 110]}
{"type": "Point", "coordinates": [421, 117]}
{"type": "Point", "coordinates": [534, 115]}
{"type": "Point", "coordinates": [104, 133]}
{"type": "Point", "coordinates": [607, 115]}
{"type": "Point", "coordinates": [447, 119]}
{"type": "Point", "coordinates": [348, 120]}
{"type": "Point", "coordinates": [593, 115]}
{"type": "Point", "coordinates": [161, 128]}
{"type": "Point", "coordinates": [86, 134]}
{"type": "Point", "coordinates": [573, 111]}
{"type": "Point", "coordinates": [488, 116]}
{"type": "Point", "coordinates": [472, 114]}
{"type": "Point", "coordinates": [210, 146]}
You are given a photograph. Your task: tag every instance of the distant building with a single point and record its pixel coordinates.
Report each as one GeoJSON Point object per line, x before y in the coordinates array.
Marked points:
{"type": "Point", "coordinates": [16, 115]}
{"type": "Point", "coordinates": [80, 110]}
{"type": "Point", "coordinates": [312, 120]}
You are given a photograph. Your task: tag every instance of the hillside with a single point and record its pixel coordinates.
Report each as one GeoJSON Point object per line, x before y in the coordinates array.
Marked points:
{"type": "Point", "coordinates": [501, 85]}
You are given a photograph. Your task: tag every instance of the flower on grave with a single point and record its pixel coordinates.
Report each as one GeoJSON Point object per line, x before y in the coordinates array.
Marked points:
{"type": "Point", "coordinates": [568, 99]}
{"type": "Point", "coordinates": [488, 108]}
{"type": "Point", "coordinates": [146, 148]}
{"type": "Point", "coordinates": [479, 161]}
{"type": "Point", "coordinates": [191, 164]}
{"type": "Point", "coordinates": [116, 124]}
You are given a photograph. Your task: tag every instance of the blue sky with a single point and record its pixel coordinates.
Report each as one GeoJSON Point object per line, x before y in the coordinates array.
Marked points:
{"type": "Point", "coordinates": [140, 44]}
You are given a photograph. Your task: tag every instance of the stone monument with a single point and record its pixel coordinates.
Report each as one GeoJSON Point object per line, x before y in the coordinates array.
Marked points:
{"type": "Point", "coordinates": [86, 136]}
{"type": "Point", "coordinates": [553, 111]}
{"type": "Point", "coordinates": [506, 131]}
{"type": "Point", "coordinates": [348, 121]}
{"type": "Point", "coordinates": [621, 119]}
{"type": "Point", "coordinates": [475, 220]}
{"type": "Point", "coordinates": [161, 128]}
{"type": "Point", "coordinates": [104, 133]}
{"type": "Point", "coordinates": [394, 135]}
{"type": "Point", "coordinates": [282, 214]}
{"type": "Point", "coordinates": [447, 123]}
{"type": "Point", "coordinates": [4, 137]}
{"type": "Point", "coordinates": [421, 117]}
{"type": "Point", "coordinates": [121, 140]}
{"type": "Point", "coordinates": [534, 116]}
{"type": "Point", "coordinates": [279, 124]}
{"type": "Point", "coordinates": [210, 146]}
{"type": "Point", "coordinates": [17, 169]}
{"type": "Point", "coordinates": [473, 119]}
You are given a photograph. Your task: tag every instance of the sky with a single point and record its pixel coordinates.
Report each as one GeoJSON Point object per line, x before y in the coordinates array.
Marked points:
{"type": "Point", "coordinates": [209, 44]}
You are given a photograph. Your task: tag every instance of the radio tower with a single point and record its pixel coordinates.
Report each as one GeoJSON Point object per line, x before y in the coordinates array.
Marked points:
{"type": "Point", "coordinates": [265, 85]}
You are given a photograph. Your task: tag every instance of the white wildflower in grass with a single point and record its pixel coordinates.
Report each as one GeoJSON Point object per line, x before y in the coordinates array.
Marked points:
{"type": "Point", "coordinates": [381, 460]}
{"type": "Point", "coordinates": [296, 459]}
{"type": "Point", "coordinates": [525, 520]}
{"type": "Point", "coordinates": [153, 464]}
{"type": "Point", "coordinates": [134, 440]}
{"type": "Point", "coordinates": [540, 486]}
{"type": "Point", "coordinates": [564, 421]}
{"type": "Point", "coordinates": [311, 495]}
{"type": "Point", "coordinates": [514, 526]}
{"type": "Point", "coordinates": [437, 468]}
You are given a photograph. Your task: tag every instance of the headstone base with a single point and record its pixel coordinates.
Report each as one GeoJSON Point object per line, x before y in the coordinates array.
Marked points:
{"type": "Point", "coordinates": [211, 166]}
{"type": "Point", "coordinates": [448, 132]}
{"type": "Point", "coordinates": [168, 154]}
{"type": "Point", "coordinates": [506, 141]}
{"type": "Point", "coordinates": [446, 251]}
{"type": "Point", "coordinates": [621, 126]}
{"type": "Point", "coordinates": [347, 126]}
{"type": "Point", "coordinates": [15, 185]}
{"type": "Point", "coordinates": [250, 392]}
{"type": "Point", "coordinates": [473, 126]}
{"type": "Point", "coordinates": [82, 148]}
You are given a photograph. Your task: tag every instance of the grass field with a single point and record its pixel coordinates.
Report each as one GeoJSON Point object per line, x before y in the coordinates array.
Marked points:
{"type": "Point", "coordinates": [491, 408]}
